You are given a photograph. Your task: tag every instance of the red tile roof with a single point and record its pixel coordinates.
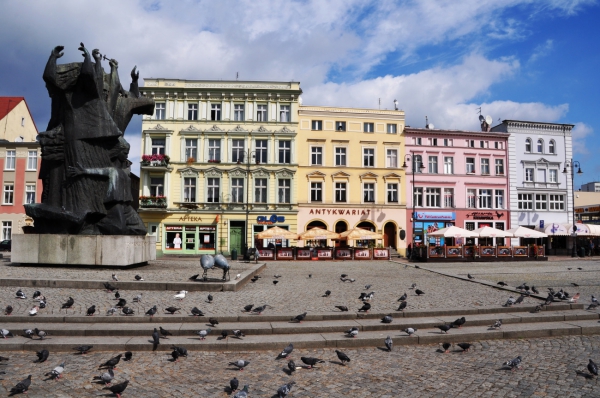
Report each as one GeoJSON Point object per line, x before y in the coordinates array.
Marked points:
{"type": "Point", "coordinates": [7, 104]}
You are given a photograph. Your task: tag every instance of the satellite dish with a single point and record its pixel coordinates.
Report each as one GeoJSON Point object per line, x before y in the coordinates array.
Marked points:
{"type": "Point", "coordinates": [300, 100]}
{"type": "Point", "coordinates": [430, 126]}
{"type": "Point", "coordinates": [481, 118]}
{"type": "Point", "coordinates": [489, 120]}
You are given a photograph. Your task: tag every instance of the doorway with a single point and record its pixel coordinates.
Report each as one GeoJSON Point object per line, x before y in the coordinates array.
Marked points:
{"type": "Point", "coordinates": [341, 226]}
{"type": "Point", "coordinates": [236, 236]}
{"type": "Point", "coordinates": [389, 235]}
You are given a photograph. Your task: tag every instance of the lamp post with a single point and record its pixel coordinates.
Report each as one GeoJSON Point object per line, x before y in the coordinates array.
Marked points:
{"type": "Point", "coordinates": [414, 166]}
{"type": "Point", "coordinates": [571, 164]}
{"type": "Point", "coordinates": [248, 155]}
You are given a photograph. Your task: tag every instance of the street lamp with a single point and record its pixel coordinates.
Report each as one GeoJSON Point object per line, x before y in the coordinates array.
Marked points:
{"type": "Point", "coordinates": [248, 155]}
{"type": "Point", "coordinates": [414, 166]}
{"type": "Point", "coordinates": [571, 164]}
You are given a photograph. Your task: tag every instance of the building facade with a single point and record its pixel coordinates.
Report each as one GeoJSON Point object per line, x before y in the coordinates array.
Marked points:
{"type": "Point", "coordinates": [218, 163]}
{"type": "Point", "coordinates": [591, 187]}
{"type": "Point", "coordinates": [349, 172]}
{"type": "Point", "coordinates": [20, 160]}
{"type": "Point", "coordinates": [460, 178]}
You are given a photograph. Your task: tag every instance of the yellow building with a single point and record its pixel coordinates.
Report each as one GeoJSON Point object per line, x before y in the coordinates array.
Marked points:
{"type": "Point", "coordinates": [206, 144]}
{"type": "Point", "coordinates": [350, 171]}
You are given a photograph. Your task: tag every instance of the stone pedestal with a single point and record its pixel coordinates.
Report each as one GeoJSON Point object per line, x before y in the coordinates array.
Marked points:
{"type": "Point", "coordinates": [87, 250]}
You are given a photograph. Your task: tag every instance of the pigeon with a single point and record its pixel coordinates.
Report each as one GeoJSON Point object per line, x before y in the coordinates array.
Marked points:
{"type": "Point", "coordinates": [459, 322]}
{"type": "Point", "coordinates": [42, 304]}
{"type": "Point", "coordinates": [419, 292]}
{"type": "Point", "coordinates": [112, 363]}
{"type": "Point", "coordinates": [106, 377]}
{"type": "Point", "coordinates": [259, 310]}
{"type": "Point", "coordinates": [286, 351]}
{"type": "Point", "coordinates": [367, 287]}
{"type": "Point", "coordinates": [240, 364]}
{"type": "Point", "coordinates": [413, 285]}
{"type": "Point", "coordinates": [114, 277]}
{"type": "Point", "coordinates": [197, 312]}
{"type": "Point", "coordinates": [8, 310]}
{"type": "Point", "coordinates": [180, 295]}
{"type": "Point", "coordinates": [4, 358]}
{"type": "Point", "coordinates": [210, 298]}
{"type": "Point", "coordinates": [83, 348]}
{"type": "Point", "coordinates": [352, 332]}
{"type": "Point", "coordinates": [164, 332]}
{"type": "Point", "coordinates": [285, 389]}
{"type": "Point", "coordinates": [311, 362]}
{"type": "Point", "coordinates": [368, 296]}
{"type": "Point", "coordinates": [291, 366]}
{"type": "Point", "coordinates": [111, 311]}
{"type": "Point", "coordinates": [410, 331]}
{"type": "Point", "coordinates": [138, 278]}
{"type": "Point", "coordinates": [175, 355]}
{"type": "Point", "coordinates": [592, 306]}
{"type": "Point", "coordinates": [511, 300]}
{"type": "Point", "coordinates": [21, 387]}
{"type": "Point", "coordinates": [36, 294]}
{"type": "Point", "coordinates": [40, 333]}
{"type": "Point", "coordinates": [594, 299]}
{"type": "Point", "coordinates": [69, 303]}
{"type": "Point", "coordinates": [248, 307]}
{"type": "Point", "coordinates": [109, 288]}
{"type": "Point", "coordinates": [213, 322]}
{"type": "Point", "coordinates": [203, 333]}
{"type": "Point", "coordinates": [342, 357]}
{"type": "Point", "coordinates": [342, 308]}
{"type": "Point", "coordinates": [470, 276]}
{"type": "Point", "coordinates": [402, 306]}
{"type": "Point", "coordinates": [127, 311]}
{"type": "Point", "coordinates": [366, 307]}
{"type": "Point", "coordinates": [519, 299]}
{"type": "Point", "coordinates": [310, 275]}
{"type": "Point", "coordinates": [593, 368]}
{"type": "Point", "coordinates": [21, 294]}
{"type": "Point", "coordinates": [343, 275]}
{"type": "Point", "coordinates": [446, 347]}
{"type": "Point", "coordinates": [172, 310]}
{"type": "Point", "coordinates": [118, 389]}
{"type": "Point", "coordinates": [6, 333]}
{"type": "Point", "coordinates": [151, 311]}
{"type": "Point", "coordinates": [42, 355]}
{"type": "Point", "coordinates": [234, 384]}
{"type": "Point", "coordinates": [194, 277]}
{"type": "Point", "coordinates": [238, 334]}
{"type": "Point", "coordinates": [403, 297]}
{"type": "Point", "coordinates": [276, 276]}
{"type": "Point", "coordinates": [56, 372]}
{"type": "Point", "coordinates": [537, 308]}
{"type": "Point", "coordinates": [298, 318]}
{"type": "Point", "coordinates": [574, 298]}
{"type": "Point", "coordinates": [91, 310]}
{"type": "Point", "coordinates": [389, 343]}
{"type": "Point", "coordinates": [138, 298]}
{"type": "Point", "coordinates": [444, 328]}
{"type": "Point", "coordinates": [327, 293]}
{"type": "Point", "coordinates": [580, 269]}
{"type": "Point", "coordinates": [121, 303]}
{"type": "Point", "coordinates": [549, 299]}
{"type": "Point", "coordinates": [224, 335]}
{"type": "Point", "coordinates": [238, 276]}
{"type": "Point", "coordinates": [535, 290]}
{"type": "Point", "coordinates": [387, 319]}
{"type": "Point", "coordinates": [275, 282]}
{"type": "Point", "coordinates": [128, 356]}
{"type": "Point", "coordinates": [28, 333]}
{"type": "Point", "coordinates": [497, 324]}
{"type": "Point", "coordinates": [514, 363]}
{"type": "Point", "coordinates": [464, 346]}
{"type": "Point", "coordinates": [243, 393]}
{"type": "Point", "coordinates": [254, 279]}
{"type": "Point", "coordinates": [155, 339]}
{"type": "Point", "coordinates": [502, 283]}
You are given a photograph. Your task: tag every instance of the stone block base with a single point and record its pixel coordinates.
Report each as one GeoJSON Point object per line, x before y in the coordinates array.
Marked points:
{"type": "Point", "coordinates": [86, 250]}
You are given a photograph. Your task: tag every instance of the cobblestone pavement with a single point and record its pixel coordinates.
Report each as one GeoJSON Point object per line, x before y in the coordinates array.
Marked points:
{"type": "Point", "coordinates": [549, 369]}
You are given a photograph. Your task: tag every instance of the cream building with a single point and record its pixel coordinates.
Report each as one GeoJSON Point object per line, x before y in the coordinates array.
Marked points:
{"type": "Point", "coordinates": [218, 163]}
{"type": "Point", "coordinates": [350, 171]}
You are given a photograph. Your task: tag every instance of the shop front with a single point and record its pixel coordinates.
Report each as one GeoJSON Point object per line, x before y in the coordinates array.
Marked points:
{"type": "Point", "coordinates": [190, 239]}
{"type": "Point", "coordinates": [430, 221]}
{"type": "Point", "coordinates": [474, 219]}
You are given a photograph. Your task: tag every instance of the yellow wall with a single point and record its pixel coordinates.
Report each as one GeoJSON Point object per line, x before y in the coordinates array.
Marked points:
{"type": "Point", "coordinates": [18, 123]}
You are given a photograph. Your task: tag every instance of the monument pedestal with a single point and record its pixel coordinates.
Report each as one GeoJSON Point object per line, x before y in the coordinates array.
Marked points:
{"type": "Point", "coordinates": [86, 250]}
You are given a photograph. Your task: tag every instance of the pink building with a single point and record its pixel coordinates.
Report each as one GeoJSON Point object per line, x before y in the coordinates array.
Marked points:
{"type": "Point", "coordinates": [460, 178]}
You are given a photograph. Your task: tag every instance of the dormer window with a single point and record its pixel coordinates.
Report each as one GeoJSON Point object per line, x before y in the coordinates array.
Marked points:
{"type": "Point", "coordinates": [528, 145]}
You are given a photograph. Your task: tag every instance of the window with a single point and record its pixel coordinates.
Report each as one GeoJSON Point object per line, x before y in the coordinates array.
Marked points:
{"type": "Point", "coordinates": [392, 193]}
{"type": "Point", "coordinates": [447, 142]}
{"type": "Point", "coordinates": [340, 126]}
{"type": "Point", "coordinates": [215, 112]}
{"type": "Point", "coordinates": [392, 128]}
{"type": "Point", "coordinates": [285, 152]}
{"type": "Point", "coordinates": [368, 127]}
{"type": "Point", "coordinates": [418, 141]}
{"type": "Point", "coordinates": [214, 149]}
{"type": "Point", "coordinates": [9, 192]}
{"type": "Point", "coordinates": [525, 201]}
{"type": "Point", "coordinates": [499, 167]}
{"type": "Point", "coordinates": [528, 174]}
{"type": "Point", "coordinates": [158, 146]}
{"type": "Point", "coordinates": [540, 146]}
{"type": "Point", "coordinates": [191, 148]}
{"type": "Point", "coordinates": [540, 201]}
{"type": "Point", "coordinates": [541, 176]}
{"type": "Point", "coordinates": [481, 144]}
{"type": "Point", "coordinates": [284, 191]}
{"type": "Point", "coordinates": [434, 141]}
{"type": "Point", "coordinates": [317, 125]}
{"type": "Point", "coordinates": [448, 165]}
{"type": "Point", "coordinates": [237, 151]}
{"type": "Point", "coordinates": [392, 158]}
{"type": "Point", "coordinates": [238, 112]}
{"type": "Point", "coordinates": [485, 166]}
{"type": "Point", "coordinates": [284, 113]}
{"type": "Point", "coordinates": [417, 164]}
{"type": "Point", "coordinates": [316, 155]}
{"type": "Point", "coordinates": [557, 202]}
{"type": "Point", "coordinates": [418, 196]}
{"type": "Point", "coordinates": [261, 113]}
{"type": "Point", "coordinates": [30, 193]}
{"type": "Point", "coordinates": [485, 198]}
{"type": "Point", "coordinates": [433, 166]}
{"type": "Point", "coordinates": [369, 192]}
{"type": "Point", "coordinates": [471, 143]}
{"type": "Point", "coordinates": [6, 230]}
{"type": "Point", "coordinates": [369, 157]}
{"type": "Point", "coordinates": [11, 157]}
{"type": "Point", "coordinates": [31, 160]}
{"type": "Point", "coordinates": [160, 110]}
{"type": "Point", "coordinates": [340, 192]}
{"type": "Point", "coordinates": [448, 197]}
{"type": "Point", "coordinates": [471, 199]}
{"type": "Point", "coordinates": [157, 186]}
{"type": "Point", "coordinates": [260, 190]}
{"type": "Point", "coordinates": [340, 156]}
{"type": "Point", "coordinates": [470, 226]}
{"type": "Point", "coordinates": [553, 176]}
{"type": "Point", "coordinates": [499, 198]}
{"type": "Point", "coordinates": [551, 147]}
{"type": "Point", "coordinates": [261, 151]}
{"type": "Point", "coordinates": [316, 191]}
{"type": "Point", "coordinates": [528, 145]}
{"type": "Point", "coordinates": [189, 189]}
{"type": "Point", "coordinates": [470, 165]}
{"type": "Point", "coordinates": [432, 197]}
{"type": "Point", "coordinates": [237, 190]}
{"type": "Point", "coordinates": [212, 191]}
{"type": "Point", "coordinates": [192, 111]}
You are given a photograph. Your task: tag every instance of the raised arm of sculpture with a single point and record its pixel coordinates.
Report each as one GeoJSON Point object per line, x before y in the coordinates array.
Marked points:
{"type": "Point", "coordinates": [50, 70]}
{"type": "Point", "coordinates": [133, 87]}
{"type": "Point", "coordinates": [114, 86]}
{"type": "Point", "coordinates": [87, 74]}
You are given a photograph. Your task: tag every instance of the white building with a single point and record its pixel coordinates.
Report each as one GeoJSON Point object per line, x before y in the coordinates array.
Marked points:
{"type": "Point", "coordinates": [591, 187]}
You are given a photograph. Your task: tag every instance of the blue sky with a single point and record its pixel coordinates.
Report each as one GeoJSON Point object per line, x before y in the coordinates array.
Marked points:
{"type": "Point", "coordinates": [517, 59]}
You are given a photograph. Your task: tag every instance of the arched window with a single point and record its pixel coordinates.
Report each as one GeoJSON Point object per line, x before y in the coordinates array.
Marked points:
{"type": "Point", "coordinates": [528, 145]}
{"type": "Point", "coordinates": [540, 146]}
{"type": "Point", "coordinates": [551, 147]}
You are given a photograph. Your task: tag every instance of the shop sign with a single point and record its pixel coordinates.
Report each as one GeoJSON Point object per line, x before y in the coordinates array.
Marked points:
{"type": "Point", "coordinates": [187, 217]}
{"type": "Point", "coordinates": [190, 228]}
{"type": "Point", "coordinates": [484, 215]}
{"type": "Point", "coordinates": [343, 253]}
{"type": "Point", "coordinates": [340, 212]}
{"type": "Point", "coordinates": [428, 215]}
{"type": "Point", "coordinates": [174, 228]}
{"type": "Point", "coordinates": [303, 253]}
{"type": "Point", "coordinates": [265, 253]}
{"type": "Point", "coordinates": [274, 218]}
{"type": "Point", "coordinates": [381, 253]}
{"type": "Point", "coordinates": [362, 253]}
{"type": "Point", "coordinates": [207, 228]}
{"type": "Point", "coordinates": [326, 253]}
{"type": "Point", "coordinates": [285, 254]}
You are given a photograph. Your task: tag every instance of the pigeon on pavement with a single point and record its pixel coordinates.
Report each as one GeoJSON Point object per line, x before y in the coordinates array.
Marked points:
{"type": "Point", "coordinates": [8, 310]}
{"type": "Point", "coordinates": [127, 311]}
{"type": "Point", "coordinates": [138, 278]}
{"type": "Point", "coordinates": [210, 298]}
{"type": "Point", "coordinates": [410, 331]}
{"type": "Point", "coordinates": [91, 310]}
{"type": "Point", "coordinates": [286, 351]}
{"type": "Point", "coordinates": [419, 292]}
{"type": "Point", "coordinates": [248, 307]}
{"type": "Point", "coordinates": [183, 352]}
{"type": "Point", "coordinates": [470, 276]}
{"type": "Point", "coordinates": [311, 362]}
{"type": "Point", "coordinates": [502, 283]}
{"type": "Point", "coordinates": [389, 343]}
{"type": "Point", "coordinates": [213, 321]}
{"type": "Point", "coordinates": [197, 312]}
{"type": "Point", "coordinates": [175, 355]}
{"type": "Point", "coordinates": [403, 297]}
{"type": "Point", "coordinates": [535, 290]}
{"type": "Point", "coordinates": [112, 363]}
{"type": "Point", "coordinates": [68, 304]}
{"type": "Point", "coordinates": [203, 333]}
{"type": "Point", "coordinates": [366, 307]}
{"type": "Point", "coordinates": [114, 277]}
{"type": "Point", "coordinates": [56, 373]}
{"type": "Point", "coordinates": [121, 303]}
{"type": "Point", "coordinates": [285, 389]}
{"type": "Point", "coordinates": [446, 347]}
{"type": "Point", "coordinates": [83, 348]}
{"type": "Point", "coordinates": [152, 311]}
{"type": "Point", "coordinates": [138, 298]}
{"type": "Point", "coordinates": [260, 310]}
{"type": "Point", "coordinates": [342, 357]}
{"type": "Point", "coordinates": [464, 346]}
{"type": "Point", "coordinates": [109, 288]}
{"type": "Point", "coordinates": [164, 332]}
{"type": "Point", "coordinates": [497, 324]}
{"type": "Point", "coordinates": [291, 366]}
{"type": "Point", "coordinates": [298, 318]}
{"type": "Point", "coordinates": [118, 389]}
{"type": "Point", "coordinates": [42, 355]}
{"type": "Point", "coordinates": [243, 393]}
{"type": "Point", "coordinates": [33, 311]}
{"type": "Point", "coordinates": [593, 368]}
{"type": "Point", "coordinates": [6, 333]}
{"type": "Point", "coordinates": [234, 384]}
{"type": "Point", "coordinates": [172, 310]}
{"type": "Point", "coordinates": [238, 334]}
{"type": "Point", "coordinates": [128, 356]}
{"type": "Point", "coordinates": [240, 364]}
{"type": "Point", "coordinates": [444, 328]}
{"type": "Point", "coordinates": [459, 322]}
{"type": "Point", "coordinates": [111, 311]}
{"type": "Point", "coordinates": [155, 340]}
{"type": "Point", "coordinates": [21, 387]}
{"type": "Point", "coordinates": [511, 300]}
{"type": "Point", "coordinates": [342, 308]}
{"type": "Point", "coordinates": [40, 333]}
{"type": "Point", "coordinates": [519, 299]}
{"type": "Point", "coordinates": [106, 377]}
{"type": "Point", "coordinates": [352, 332]}
{"type": "Point", "coordinates": [402, 306]}
{"type": "Point", "coordinates": [387, 319]}
{"type": "Point", "coordinates": [28, 333]}
{"type": "Point", "coordinates": [180, 295]}
{"type": "Point", "coordinates": [514, 363]}
{"type": "Point", "coordinates": [327, 293]}
{"type": "Point", "coordinates": [413, 285]}
{"type": "Point", "coordinates": [21, 294]}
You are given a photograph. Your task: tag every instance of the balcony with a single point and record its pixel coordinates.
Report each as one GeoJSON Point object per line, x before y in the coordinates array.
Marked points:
{"type": "Point", "coordinates": [155, 160]}
{"type": "Point", "coordinates": [153, 202]}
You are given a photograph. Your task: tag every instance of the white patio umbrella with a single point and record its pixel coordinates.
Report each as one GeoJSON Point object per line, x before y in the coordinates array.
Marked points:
{"type": "Point", "coordinates": [489, 232]}
{"type": "Point", "coordinates": [523, 232]}
{"type": "Point", "coordinates": [453, 232]}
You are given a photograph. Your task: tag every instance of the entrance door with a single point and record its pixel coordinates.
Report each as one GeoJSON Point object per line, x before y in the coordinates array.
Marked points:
{"type": "Point", "coordinates": [389, 235]}
{"type": "Point", "coordinates": [236, 238]}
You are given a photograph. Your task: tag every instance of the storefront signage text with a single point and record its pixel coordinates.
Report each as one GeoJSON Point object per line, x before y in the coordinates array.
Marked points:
{"type": "Point", "coordinates": [422, 215]}
{"type": "Point", "coordinates": [340, 212]}
{"type": "Point", "coordinates": [591, 209]}
{"type": "Point", "coordinates": [484, 215]}
{"type": "Point", "coordinates": [190, 218]}
{"type": "Point", "coordinates": [264, 220]}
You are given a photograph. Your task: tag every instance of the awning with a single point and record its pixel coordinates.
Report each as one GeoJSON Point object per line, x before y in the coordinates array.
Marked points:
{"type": "Point", "coordinates": [555, 229]}
{"type": "Point", "coordinates": [276, 233]}
{"type": "Point", "coordinates": [489, 232]}
{"type": "Point", "coordinates": [524, 232]}
{"type": "Point", "coordinates": [453, 232]}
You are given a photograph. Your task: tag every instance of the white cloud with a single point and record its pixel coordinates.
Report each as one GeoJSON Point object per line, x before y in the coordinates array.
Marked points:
{"type": "Point", "coordinates": [541, 50]}
{"type": "Point", "coordinates": [579, 133]}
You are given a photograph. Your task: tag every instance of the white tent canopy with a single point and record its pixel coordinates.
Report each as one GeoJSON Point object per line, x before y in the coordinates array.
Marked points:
{"type": "Point", "coordinates": [453, 232]}
{"type": "Point", "coordinates": [489, 232]}
{"type": "Point", "coordinates": [524, 232]}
